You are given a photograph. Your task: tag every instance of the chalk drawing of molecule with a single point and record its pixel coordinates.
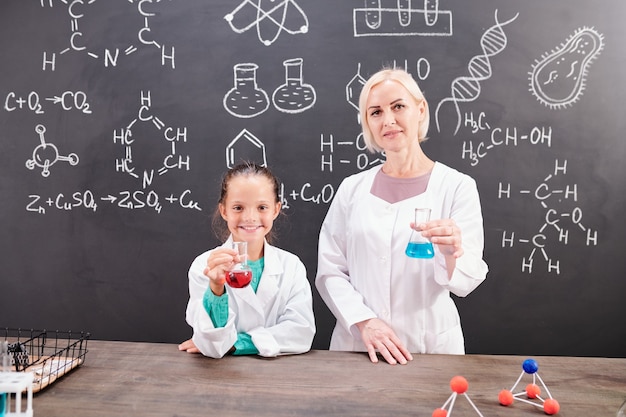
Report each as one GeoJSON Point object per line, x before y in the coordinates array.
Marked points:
{"type": "Point", "coordinates": [558, 79]}
{"type": "Point", "coordinates": [46, 154]}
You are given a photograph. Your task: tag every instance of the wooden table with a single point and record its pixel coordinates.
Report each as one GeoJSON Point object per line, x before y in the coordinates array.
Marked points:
{"type": "Point", "coordinates": [147, 379]}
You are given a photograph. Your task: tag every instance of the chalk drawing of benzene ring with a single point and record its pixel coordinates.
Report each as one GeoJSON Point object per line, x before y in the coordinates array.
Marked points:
{"type": "Point", "coordinates": [278, 16]}
{"type": "Point", "coordinates": [558, 79]}
{"type": "Point", "coordinates": [46, 154]}
{"type": "Point", "coordinates": [245, 147]}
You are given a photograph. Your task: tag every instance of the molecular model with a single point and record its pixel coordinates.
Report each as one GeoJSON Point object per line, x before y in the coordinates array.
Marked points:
{"type": "Point", "coordinates": [459, 385]}
{"type": "Point", "coordinates": [532, 392]}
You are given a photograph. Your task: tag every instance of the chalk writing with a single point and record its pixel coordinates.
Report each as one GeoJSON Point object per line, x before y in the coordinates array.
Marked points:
{"type": "Point", "coordinates": [362, 160]}
{"type": "Point", "coordinates": [511, 136]}
{"type": "Point", "coordinates": [68, 100]}
{"type": "Point", "coordinates": [171, 136]}
{"type": "Point", "coordinates": [76, 10]}
{"type": "Point", "coordinates": [130, 200]}
{"type": "Point", "coordinates": [555, 220]}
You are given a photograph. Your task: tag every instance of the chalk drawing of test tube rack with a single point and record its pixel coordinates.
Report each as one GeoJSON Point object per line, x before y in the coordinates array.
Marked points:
{"type": "Point", "coordinates": [46, 154]}
{"type": "Point", "coordinates": [402, 18]}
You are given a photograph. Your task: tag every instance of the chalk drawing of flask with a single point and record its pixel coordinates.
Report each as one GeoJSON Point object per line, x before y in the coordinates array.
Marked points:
{"type": "Point", "coordinates": [245, 99]}
{"type": "Point", "coordinates": [293, 96]}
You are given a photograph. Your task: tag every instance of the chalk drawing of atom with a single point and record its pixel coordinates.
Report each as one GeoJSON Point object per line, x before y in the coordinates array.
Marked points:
{"type": "Point", "coordinates": [269, 18]}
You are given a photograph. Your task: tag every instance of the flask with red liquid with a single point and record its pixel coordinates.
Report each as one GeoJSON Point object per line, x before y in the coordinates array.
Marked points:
{"type": "Point", "coordinates": [240, 274]}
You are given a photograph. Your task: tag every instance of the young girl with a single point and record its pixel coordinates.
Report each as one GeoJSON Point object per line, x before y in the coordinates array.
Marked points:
{"type": "Point", "coordinates": [274, 314]}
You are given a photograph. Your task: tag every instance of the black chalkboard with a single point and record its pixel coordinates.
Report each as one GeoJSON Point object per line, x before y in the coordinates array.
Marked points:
{"type": "Point", "coordinates": [119, 118]}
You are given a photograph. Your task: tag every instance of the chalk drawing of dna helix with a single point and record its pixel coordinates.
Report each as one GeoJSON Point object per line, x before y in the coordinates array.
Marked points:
{"type": "Point", "coordinates": [467, 89]}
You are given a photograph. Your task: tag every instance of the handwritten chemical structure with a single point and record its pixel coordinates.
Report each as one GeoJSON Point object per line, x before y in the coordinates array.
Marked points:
{"type": "Point", "coordinates": [499, 137]}
{"type": "Point", "coordinates": [558, 79]}
{"type": "Point", "coordinates": [68, 100]}
{"type": "Point", "coordinates": [170, 135]}
{"type": "Point", "coordinates": [557, 221]}
{"type": "Point", "coordinates": [130, 200]}
{"type": "Point", "coordinates": [306, 194]}
{"type": "Point", "coordinates": [46, 154]}
{"type": "Point", "coordinates": [269, 18]}
{"type": "Point", "coordinates": [245, 147]}
{"type": "Point", "coordinates": [363, 159]}
{"type": "Point", "coordinates": [76, 10]}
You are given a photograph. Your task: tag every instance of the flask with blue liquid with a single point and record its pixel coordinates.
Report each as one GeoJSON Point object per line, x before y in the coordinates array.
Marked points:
{"type": "Point", "coordinates": [419, 246]}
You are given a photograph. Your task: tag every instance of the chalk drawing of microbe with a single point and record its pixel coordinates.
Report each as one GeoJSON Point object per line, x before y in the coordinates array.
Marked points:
{"type": "Point", "coordinates": [559, 78]}
{"type": "Point", "coordinates": [269, 19]}
{"type": "Point", "coordinates": [400, 18]}
{"type": "Point", "coordinates": [245, 147]}
{"type": "Point", "coordinates": [467, 89]}
{"type": "Point", "coordinates": [46, 154]}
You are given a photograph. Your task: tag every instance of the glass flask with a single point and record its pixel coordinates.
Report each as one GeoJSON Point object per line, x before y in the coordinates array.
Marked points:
{"type": "Point", "coordinates": [240, 274]}
{"type": "Point", "coordinates": [293, 96]}
{"type": "Point", "coordinates": [419, 246]}
{"type": "Point", "coordinates": [245, 99]}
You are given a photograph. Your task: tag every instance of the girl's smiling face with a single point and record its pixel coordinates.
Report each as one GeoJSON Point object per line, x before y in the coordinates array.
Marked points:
{"type": "Point", "coordinates": [249, 210]}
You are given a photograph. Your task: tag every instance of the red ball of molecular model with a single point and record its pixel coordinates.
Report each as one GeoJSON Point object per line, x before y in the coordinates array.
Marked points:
{"type": "Point", "coordinates": [458, 385]}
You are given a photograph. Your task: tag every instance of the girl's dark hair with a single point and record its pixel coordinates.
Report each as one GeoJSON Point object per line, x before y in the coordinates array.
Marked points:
{"type": "Point", "coordinates": [246, 169]}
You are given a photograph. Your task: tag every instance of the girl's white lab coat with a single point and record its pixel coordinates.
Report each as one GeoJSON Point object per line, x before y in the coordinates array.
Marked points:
{"type": "Point", "coordinates": [363, 271]}
{"type": "Point", "coordinates": [279, 317]}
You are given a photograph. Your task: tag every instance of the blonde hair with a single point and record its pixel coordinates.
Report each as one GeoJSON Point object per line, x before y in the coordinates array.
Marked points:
{"type": "Point", "coordinates": [407, 81]}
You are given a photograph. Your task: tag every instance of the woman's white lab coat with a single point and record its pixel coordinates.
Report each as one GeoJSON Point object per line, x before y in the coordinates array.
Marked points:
{"type": "Point", "coordinates": [278, 317]}
{"type": "Point", "coordinates": [364, 273]}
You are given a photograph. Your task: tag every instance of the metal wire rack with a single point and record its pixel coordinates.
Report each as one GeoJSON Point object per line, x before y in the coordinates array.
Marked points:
{"type": "Point", "coordinates": [47, 354]}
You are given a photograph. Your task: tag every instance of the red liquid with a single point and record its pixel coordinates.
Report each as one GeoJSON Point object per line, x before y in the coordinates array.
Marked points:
{"type": "Point", "coordinates": [238, 279]}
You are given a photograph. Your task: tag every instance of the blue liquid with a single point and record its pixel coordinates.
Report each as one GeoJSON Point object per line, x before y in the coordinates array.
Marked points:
{"type": "Point", "coordinates": [2, 403]}
{"type": "Point", "coordinates": [420, 250]}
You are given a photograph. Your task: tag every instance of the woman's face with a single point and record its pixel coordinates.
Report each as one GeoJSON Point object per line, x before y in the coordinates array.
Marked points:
{"type": "Point", "coordinates": [393, 116]}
